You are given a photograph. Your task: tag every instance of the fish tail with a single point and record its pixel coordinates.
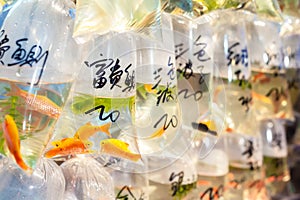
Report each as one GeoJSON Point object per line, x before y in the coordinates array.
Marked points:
{"type": "Point", "coordinates": [158, 133]}
{"type": "Point", "coordinates": [21, 163]}
{"type": "Point", "coordinates": [105, 128]}
{"type": "Point", "coordinates": [135, 157]}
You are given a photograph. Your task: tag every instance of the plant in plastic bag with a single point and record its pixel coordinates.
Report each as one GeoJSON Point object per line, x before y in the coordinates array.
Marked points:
{"type": "Point", "coordinates": [39, 60]}
{"type": "Point", "coordinates": [97, 17]}
{"type": "Point", "coordinates": [86, 179]}
{"type": "Point", "coordinates": [46, 182]}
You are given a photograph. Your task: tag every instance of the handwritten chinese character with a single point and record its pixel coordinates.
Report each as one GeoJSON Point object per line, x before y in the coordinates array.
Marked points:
{"type": "Point", "coordinates": [125, 193]}
{"type": "Point", "coordinates": [201, 53]}
{"type": "Point", "coordinates": [102, 64]}
{"type": "Point", "coordinates": [157, 76]}
{"type": "Point", "coordinates": [3, 47]}
{"type": "Point", "coordinates": [241, 79]}
{"type": "Point", "coordinates": [175, 186]}
{"type": "Point", "coordinates": [276, 140]}
{"type": "Point", "coordinates": [269, 57]}
{"type": "Point", "coordinates": [235, 57]}
{"type": "Point", "coordinates": [171, 72]}
{"type": "Point", "coordinates": [164, 95]}
{"type": "Point", "coordinates": [179, 50]}
{"type": "Point", "coordinates": [249, 150]}
{"type": "Point", "coordinates": [245, 102]}
{"type": "Point", "coordinates": [129, 81]}
{"type": "Point", "coordinates": [33, 56]}
{"type": "Point", "coordinates": [116, 74]}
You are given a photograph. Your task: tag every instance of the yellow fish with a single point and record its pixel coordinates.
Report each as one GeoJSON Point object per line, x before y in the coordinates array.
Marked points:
{"type": "Point", "coordinates": [158, 133]}
{"type": "Point", "coordinates": [119, 149]}
{"type": "Point", "coordinates": [68, 146]}
{"type": "Point", "coordinates": [148, 88]}
{"type": "Point", "coordinates": [11, 135]}
{"type": "Point", "coordinates": [37, 102]}
{"type": "Point", "coordinates": [87, 130]}
{"type": "Point", "coordinates": [260, 97]}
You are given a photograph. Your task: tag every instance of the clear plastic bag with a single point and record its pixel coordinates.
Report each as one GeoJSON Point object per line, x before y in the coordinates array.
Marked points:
{"type": "Point", "coordinates": [86, 179]}
{"type": "Point", "coordinates": [46, 182]}
{"type": "Point", "coordinates": [39, 60]}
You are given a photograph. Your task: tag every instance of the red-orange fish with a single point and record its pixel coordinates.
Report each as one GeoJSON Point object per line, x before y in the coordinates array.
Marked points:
{"type": "Point", "coordinates": [229, 130]}
{"type": "Point", "coordinates": [261, 77]}
{"type": "Point", "coordinates": [68, 146]}
{"type": "Point", "coordinates": [36, 102]}
{"type": "Point", "coordinates": [11, 135]}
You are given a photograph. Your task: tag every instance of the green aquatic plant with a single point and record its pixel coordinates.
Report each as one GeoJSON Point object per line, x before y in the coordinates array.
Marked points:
{"type": "Point", "coordinates": [85, 102]}
{"type": "Point", "coordinates": [9, 106]}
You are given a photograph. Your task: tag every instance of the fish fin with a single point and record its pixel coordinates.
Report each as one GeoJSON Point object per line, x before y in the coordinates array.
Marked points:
{"type": "Point", "coordinates": [76, 135]}
{"type": "Point", "coordinates": [136, 157]}
{"type": "Point", "coordinates": [21, 163]}
{"type": "Point", "coordinates": [157, 133]}
{"type": "Point", "coordinates": [52, 152]}
{"type": "Point", "coordinates": [105, 128]}
{"type": "Point", "coordinates": [88, 124]}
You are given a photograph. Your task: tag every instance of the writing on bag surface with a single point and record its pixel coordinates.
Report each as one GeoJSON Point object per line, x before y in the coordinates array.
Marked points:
{"type": "Point", "coordinates": [126, 194]}
{"type": "Point", "coordinates": [164, 94]}
{"type": "Point", "coordinates": [235, 56]}
{"type": "Point", "coordinates": [186, 68]}
{"type": "Point", "coordinates": [22, 54]}
{"type": "Point", "coordinates": [110, 71]}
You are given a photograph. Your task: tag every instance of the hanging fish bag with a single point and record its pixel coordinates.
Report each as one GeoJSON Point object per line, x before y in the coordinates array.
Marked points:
{"type": "Point", "coordinates": [38, 59]}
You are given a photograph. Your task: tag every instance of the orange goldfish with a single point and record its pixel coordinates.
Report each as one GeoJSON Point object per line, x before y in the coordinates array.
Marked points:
{"type": "Point", "coordinates": [148, 88]}
{"type": "Point", "coordinates": [118, 148]}
{"type": "Point", "coordinates": [203, 183]}
{"type": "Point", "coordinates": [260, 97]}
{"type": "Point", "coordinates": [261, 77]}
{"type": "Point", "coordinates": [38, 103]}
{"type": "Point", "coordinates": [229, 130]}
{"type": "Point", "coordinates": [11, 135]}
{"type": "Point", "coordinates": [87, 130]}
{"type": "Point", "coordinates": [158, 133]}
{"type": "Point", "coordinates": [68, 146]}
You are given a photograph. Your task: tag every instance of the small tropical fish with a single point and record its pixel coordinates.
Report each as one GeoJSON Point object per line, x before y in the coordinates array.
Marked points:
{"type": "Point", "coordinates": [229, 130]}
{"type": "Point", "coordinates": [203, 183]}
{"type": "Point", "coordinates": [207, 127]}
{"type": "Point", "coordinates": [260, 97]}
{"type": "Point", "coordinates": [87, 130]}
{"type": "Point", "coordinates": [261, 78]}
{"type": "Point", "coordinates": [37, 102]}
{"type": "Point", "coordinates": [119, 149]}
{"type": "Point", "coordinates": [68, 146]}
{"type": "Point", "coordinates": [158, 133]}
{"type": "Point", "coordinates": [149, 89]}
{"type": "Point", "coordinates": [11, 135]}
